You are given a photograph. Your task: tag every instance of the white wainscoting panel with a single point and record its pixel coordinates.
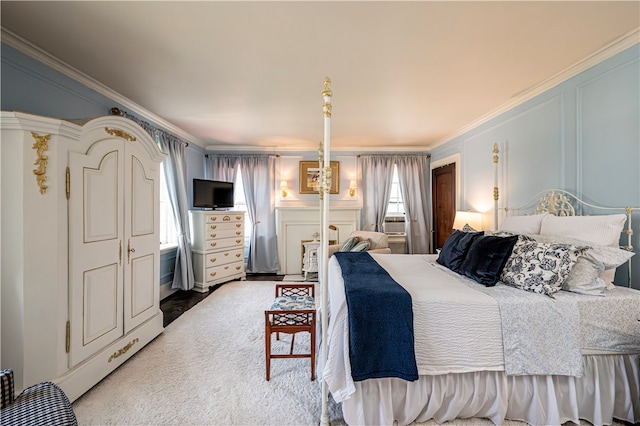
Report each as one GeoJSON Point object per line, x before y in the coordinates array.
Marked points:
{"type": "Point", "coordinates": [296, 225]}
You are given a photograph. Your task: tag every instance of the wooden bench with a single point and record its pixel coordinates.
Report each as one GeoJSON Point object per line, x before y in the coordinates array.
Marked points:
{"type": "Point", "coordinates": [293, 311]}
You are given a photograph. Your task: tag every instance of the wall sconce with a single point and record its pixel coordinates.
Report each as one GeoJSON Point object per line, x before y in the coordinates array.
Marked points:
{"type": "Point", "coordinates": [470, 218]}
{"type": "Point", "coordinates": [353, 185]}
{"type": "Point", "coordinates": [283, 188]}
{"type": "Point", "coordinates": [335, 228]}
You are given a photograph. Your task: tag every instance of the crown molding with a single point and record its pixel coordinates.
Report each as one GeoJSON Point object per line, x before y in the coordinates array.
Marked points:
{"type": "Point", "coordinates": [23, 46]}
{"type": "Point", "coordinates": [622, 43]}
{"type": "Point", "coordinates": [277, 149]}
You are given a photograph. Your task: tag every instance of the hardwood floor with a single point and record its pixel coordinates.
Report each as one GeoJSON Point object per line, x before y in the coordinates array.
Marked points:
{"type": "Point", "coordinates": [181, 301]}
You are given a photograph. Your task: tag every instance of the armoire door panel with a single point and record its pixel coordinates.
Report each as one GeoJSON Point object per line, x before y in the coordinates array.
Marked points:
{"type": "Point", "coordinates": [102, 191]}
{"type": "Point", "coordinates": [100, 303]}
{"type": "Point", "coordinates": [96, 264]}
{"type": "Point", "coordinates": [142, 293]}
{"type": "Point", "coordinates": [142, 200]}
{"type": "Point", "coordinates": [141, 289]}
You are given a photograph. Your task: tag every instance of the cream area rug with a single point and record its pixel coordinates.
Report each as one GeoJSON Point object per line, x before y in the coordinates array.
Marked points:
{"type": "Point", "coordinates": [208, 368]}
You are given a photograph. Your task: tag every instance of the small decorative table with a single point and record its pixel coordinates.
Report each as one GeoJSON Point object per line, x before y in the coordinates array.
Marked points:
{"type": "Point", "coordinates": [310, 258]}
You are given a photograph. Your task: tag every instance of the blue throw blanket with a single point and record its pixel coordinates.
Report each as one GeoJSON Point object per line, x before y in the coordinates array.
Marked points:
{"type": "Point", "coordinates": [380, 320]}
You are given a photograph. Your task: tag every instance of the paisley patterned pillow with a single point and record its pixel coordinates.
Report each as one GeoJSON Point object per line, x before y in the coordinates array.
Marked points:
{"type": "Point", "coordinates": [540, 267]}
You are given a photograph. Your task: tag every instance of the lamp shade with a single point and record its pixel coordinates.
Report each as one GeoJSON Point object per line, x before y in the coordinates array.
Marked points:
{"type": "Point", "coordinates": [473, 219]}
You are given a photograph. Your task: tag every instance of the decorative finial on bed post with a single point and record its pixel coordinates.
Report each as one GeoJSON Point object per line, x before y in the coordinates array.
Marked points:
{"type": "Point", "coordinates": [495, 185]}
{"type": "Point", "coordinates": [326, 94]}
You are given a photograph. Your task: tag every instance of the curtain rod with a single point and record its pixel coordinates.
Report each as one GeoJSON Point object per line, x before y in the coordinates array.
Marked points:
{"type": "Point", "coordinates": [395, 154]}
{"type": "Point", "coordinates": [241, 155]}
{"type": "Point", "coordinates": [145, 125]}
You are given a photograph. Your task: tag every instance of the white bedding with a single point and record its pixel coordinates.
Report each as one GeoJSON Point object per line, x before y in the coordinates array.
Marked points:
{"type": "Point", "coordinates": [446, 341]}
{"type": "Point", "coordinates": [440, 344]}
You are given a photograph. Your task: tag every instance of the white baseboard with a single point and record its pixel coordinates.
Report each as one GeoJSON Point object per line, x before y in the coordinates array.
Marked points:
{"type": "Point", "coordinates": [166, 290]}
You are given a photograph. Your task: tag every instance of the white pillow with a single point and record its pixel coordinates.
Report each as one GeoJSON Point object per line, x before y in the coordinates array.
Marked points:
{"type": "Point", "coordinates": [601, 230]}
{"type": "Point", "coordinates": [523, 224]}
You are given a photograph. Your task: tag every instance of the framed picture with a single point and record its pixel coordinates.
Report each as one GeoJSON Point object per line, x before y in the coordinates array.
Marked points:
{"type": "Point", "coordinates": [310, 177]}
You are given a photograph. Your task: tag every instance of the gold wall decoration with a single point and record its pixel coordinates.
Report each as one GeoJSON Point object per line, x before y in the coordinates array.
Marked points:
{"type": "Point", "coordinates": [123, 350]}
{"type": "Point", "coordinates": [120, 134]}
{"type": "Point", "coordinates": [41, 145]}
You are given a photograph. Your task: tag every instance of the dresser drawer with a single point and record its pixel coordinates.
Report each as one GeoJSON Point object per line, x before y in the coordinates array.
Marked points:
{"type": "Point", "coordinates": [224, 226]}
{"type": "Point", "coordinates": [224, 271]}
{"type": "Point", "coordinates": [220, 243]}
{"type": "Point", "coordinates": [216, 234]}
{"type": "Point", "coordinates": [224, 218]}
{"type": "Point", "coordinates": [222, 258]}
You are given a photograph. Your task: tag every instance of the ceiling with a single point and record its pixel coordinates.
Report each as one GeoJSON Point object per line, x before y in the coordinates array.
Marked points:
{"type": "Point", "coordinates": [405, 75]}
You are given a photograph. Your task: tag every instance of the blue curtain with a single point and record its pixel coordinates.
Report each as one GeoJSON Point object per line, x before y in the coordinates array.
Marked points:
{"type": "Point", "coordinates": [377, 176]}
{"type": "Point", "coordinates": [176, 178]}
{"type": "Point", "coordinates": [414, 186]}
{"type": "Point", "coordinates": [221, 167]}
{"type": "Point", "coordinates": [259, 180]}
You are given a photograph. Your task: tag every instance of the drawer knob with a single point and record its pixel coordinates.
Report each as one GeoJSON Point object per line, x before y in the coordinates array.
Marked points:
{"type": "Point", "coordinates": [226, 254]}
{"type": "Point", "coordinates": [238, 241]}
{"type": "Point", "coordinates": [213, 226]}
{"type": "Point", "coordinates": [238, 225]}
{"type": "Point", "coordinates": [238, 232]}
{"type": "Point", "coordinates": [213, 218]}
{"type": "Point", "coordinates": [226, 218]}
{"type": "Point", "coordinates": [238, 267]}
{"type": "Point", "coordinates": [213, 244]}
{"type": "Point", "coordinates": [213, 274]}
{"type": "Point", "coordinates": [238, 217]}
{"type": "Point", "coordinates": [213, 235]}
{"type": "Point", "coordinates": [226, 267]}
{"type": "Point", "coordinates": [238, 254]}
{"type": "Point", "coordinates": [213, 259]}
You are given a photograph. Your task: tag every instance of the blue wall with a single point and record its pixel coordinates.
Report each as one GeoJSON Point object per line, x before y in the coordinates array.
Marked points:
{"type": "Point", "coordinates": [582, 135]}
{"type": "Point", "coordinates": [29, 86]}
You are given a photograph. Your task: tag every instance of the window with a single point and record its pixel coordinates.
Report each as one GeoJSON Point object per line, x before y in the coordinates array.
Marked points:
{"type": "Point", "coordinates": [240, 203]}
{"type": "Point", "coordinates": [396, 205]}
{"type": "Point", "coordinates": [168, 234]}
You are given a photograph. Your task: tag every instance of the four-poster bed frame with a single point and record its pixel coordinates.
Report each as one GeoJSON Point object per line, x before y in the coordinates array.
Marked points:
{"type": "Point", "coordinates": [506, 388]}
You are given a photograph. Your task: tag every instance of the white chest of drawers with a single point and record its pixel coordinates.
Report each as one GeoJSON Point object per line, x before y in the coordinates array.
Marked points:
{"type": "Point", "coordinates": [217, 247]}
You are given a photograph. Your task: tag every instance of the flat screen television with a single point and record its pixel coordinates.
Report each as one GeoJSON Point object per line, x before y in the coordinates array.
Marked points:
{"type": "Point", "coordinates": [212, 194]}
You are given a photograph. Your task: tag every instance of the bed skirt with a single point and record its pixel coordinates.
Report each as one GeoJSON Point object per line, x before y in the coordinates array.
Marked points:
{"type": "Point", "coordinates": [609, 388]}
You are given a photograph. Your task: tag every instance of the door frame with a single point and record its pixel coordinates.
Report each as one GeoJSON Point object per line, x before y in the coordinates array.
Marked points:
{"type": "Point", "coordinates": [455, 159]}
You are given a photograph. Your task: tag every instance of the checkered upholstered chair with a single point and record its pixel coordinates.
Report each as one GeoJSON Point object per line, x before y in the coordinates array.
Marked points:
{"type": "Point", "coordinates": [292, 311]}
{"type": "Point", "coordinates": [41, 404]}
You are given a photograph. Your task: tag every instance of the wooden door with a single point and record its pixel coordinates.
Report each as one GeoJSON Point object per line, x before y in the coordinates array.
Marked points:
{"type": "Point", "coordinates": [444, 202]}
{"type": "Point", "coordinates": [96, 225]}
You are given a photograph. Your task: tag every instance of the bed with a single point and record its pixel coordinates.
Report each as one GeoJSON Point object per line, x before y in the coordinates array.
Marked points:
{"type": "Point", "coordinates": [547, 346]}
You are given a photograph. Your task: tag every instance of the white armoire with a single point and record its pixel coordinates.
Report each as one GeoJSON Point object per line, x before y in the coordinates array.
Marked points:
{"type": "Point", "coordinates": [80, 247]}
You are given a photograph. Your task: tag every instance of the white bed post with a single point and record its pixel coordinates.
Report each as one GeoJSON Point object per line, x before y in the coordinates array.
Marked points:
{"type": "Point", "coordinates": [324, 192]}
{"type": "Point", "coordinates": [495, 186]}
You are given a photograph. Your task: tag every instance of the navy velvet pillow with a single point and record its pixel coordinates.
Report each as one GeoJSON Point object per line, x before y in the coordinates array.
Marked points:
{"type": "Point", "coordinates": [455, 249]}
{"type": "Point", "coordinates": [486, 258]}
